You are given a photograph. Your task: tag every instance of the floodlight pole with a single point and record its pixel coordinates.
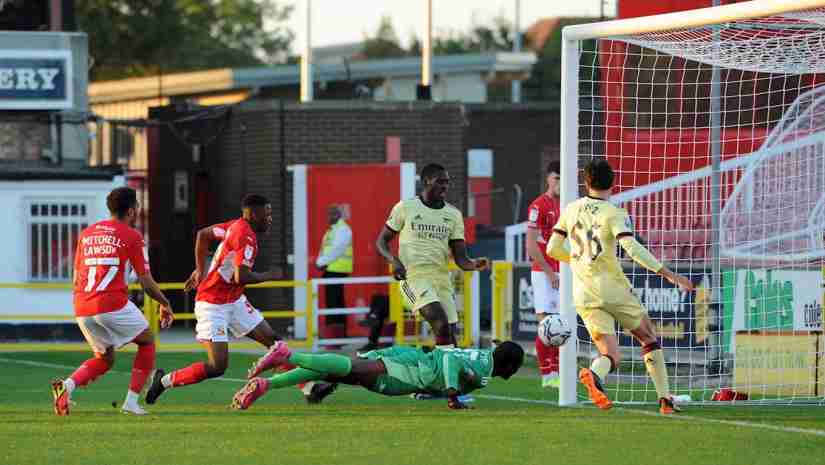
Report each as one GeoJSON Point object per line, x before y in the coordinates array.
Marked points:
{"type": "Point", "coordinates": [515, 85]}
{"type": "Point", "coordinates": [306, 59]}
{"type": "Point", "coordinates": [424, 90]}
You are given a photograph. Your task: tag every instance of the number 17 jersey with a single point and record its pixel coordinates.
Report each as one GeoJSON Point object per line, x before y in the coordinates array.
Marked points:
{"type": "Point", "coordinates": [593, 227]}
{"type": "Point", "coordinates": [103, 250]}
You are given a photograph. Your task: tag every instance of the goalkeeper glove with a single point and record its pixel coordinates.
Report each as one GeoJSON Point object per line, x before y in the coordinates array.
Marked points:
{"type": "Point", "coordinates": [454, 402]}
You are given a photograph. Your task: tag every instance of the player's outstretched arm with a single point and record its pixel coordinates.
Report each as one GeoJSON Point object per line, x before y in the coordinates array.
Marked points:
{"type": "Point", "coordinates": [643, 257]}
{"type": "Point", "coordinates": [383, 245]}
{"type": "Point", "coordinates": [639, 253]}
{"type": "Point", "coordinates": [152, 288]}
{"type": "Point", "coordinates": [244, 275]}
{"type": "Point", "coordinates": [556, 249]}
{"type": "Point", "coordinates": [683, 282]}
{"type": "Point", "coordinates": [459, 250]}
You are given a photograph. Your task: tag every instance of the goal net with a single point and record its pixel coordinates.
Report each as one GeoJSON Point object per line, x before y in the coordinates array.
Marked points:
{"type": "Point", "coordinates": [717, 134]}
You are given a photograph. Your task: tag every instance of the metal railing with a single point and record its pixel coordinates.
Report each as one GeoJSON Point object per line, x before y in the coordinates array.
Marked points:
{"type": "Point", "coordinates": [316, 283]}
{"type": "Point", "coordinates": [312, 312]}
{"type": "Point", "coordinates": [150, 306]}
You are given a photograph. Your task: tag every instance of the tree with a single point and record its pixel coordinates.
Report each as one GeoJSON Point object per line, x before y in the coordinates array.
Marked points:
{"type": "Point", "coordinates": [385, 43]}
{"type": "Point", "coordinates": [479, 39]}
{"type": "Point", "coordinates": [544, 83]}
{"type": "Point", "coordinates": [140, 37]}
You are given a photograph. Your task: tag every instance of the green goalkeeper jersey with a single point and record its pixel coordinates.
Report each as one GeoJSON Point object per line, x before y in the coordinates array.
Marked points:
{"type": "Point", "coordinates": [464, 370]}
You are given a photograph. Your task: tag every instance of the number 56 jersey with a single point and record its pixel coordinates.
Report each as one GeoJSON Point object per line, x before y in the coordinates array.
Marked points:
{"type": "Point", "coordinates": [103, 251]}
{"type": "Point", "coordinates": [593, 227]}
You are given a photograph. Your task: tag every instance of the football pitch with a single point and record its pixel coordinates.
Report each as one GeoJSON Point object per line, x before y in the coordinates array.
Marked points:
{"type": "Point", "coordinates": [513, 423]}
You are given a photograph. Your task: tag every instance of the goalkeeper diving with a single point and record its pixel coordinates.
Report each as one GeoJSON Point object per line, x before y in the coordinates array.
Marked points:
{"type": "Point", "coordinates": [394, 371]}
{"type": "Point", "coordinates": [602, 293]}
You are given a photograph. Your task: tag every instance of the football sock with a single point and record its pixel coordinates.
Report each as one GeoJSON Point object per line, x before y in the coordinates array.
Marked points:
{"type": "Point", "coordinates": [325, 364]}
{"type": "Point", "coordinates": [548, 357]}
{"type": "Point", "coordinates": [131, 397]}
{"type": "Point", "coordinates": [89, 371]}
{"type": "Point", "coordinates": [293, 377]}
{"type": "Point", "coordinates": [68, 384]}
{"type": "Point", "coordinates": [142, 367]}
{"type": "Point", "coordinates": [306, 388]}
{"type": "Point", "coordinates": [553, 358]}
{"type": "Point", "coordinates": [194, 373]}
{"type": "Point", "coordinates": [601, 365]}
{"type": "Point", "coordinates": [655, 364]}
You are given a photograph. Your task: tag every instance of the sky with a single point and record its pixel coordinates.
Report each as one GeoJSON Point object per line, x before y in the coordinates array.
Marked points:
{"type": "Point", "coordinates": [342, 21]}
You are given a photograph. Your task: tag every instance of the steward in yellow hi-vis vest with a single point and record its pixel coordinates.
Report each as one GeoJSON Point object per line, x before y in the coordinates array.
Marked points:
{"type": "Point", "coordinates": [335, 261]}
{"type": "Point", "coordinates": [342, 248]}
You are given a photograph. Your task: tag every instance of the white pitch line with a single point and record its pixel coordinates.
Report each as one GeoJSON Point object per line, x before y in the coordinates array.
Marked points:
{"type": "Point", "coordinates": [740, 423]}
{"type": "Point", "coordinates": [35, 364]}
{"type": "Point", "coordinates": [517, 399]}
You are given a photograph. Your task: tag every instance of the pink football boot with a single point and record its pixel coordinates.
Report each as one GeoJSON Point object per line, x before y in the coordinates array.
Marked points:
{"type": "Point", "coordinates": [248, 394]}
{"type": "Point", "coordinates": [277, 355]}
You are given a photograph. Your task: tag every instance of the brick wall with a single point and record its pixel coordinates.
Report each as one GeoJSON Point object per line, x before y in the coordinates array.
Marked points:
{"type": "Point", "coordinates": [250, 153]}
{"type": "Point", "coordinates": [523, 138]}
{"type": "Point", "coordinates": [247, 157]}
{"type": "Point", "coordinates": [327, 132]}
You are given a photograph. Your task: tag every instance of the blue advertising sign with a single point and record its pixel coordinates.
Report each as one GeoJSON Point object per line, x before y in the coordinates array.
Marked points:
{"type": "Point", "coordinates": [524, 323]}
{"type": "Point", "coordinates": [681, 318]}
{"type": "Point", "coordinates": [35, 79]}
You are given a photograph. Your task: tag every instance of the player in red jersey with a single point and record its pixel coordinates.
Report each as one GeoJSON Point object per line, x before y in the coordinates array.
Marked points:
{"type": "Point", "coordinates": [542, 216]}
{"type": "Point", "coordinates": [102, 308]}
{"type": "Point", "coordinates": [220, 304]}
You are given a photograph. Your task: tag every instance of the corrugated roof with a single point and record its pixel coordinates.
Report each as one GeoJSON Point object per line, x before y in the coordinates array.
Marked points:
{"type": "Point", "coordinates": [238, 78]}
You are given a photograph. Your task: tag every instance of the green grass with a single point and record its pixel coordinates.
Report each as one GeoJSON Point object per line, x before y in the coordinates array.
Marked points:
{"type": "Point", "coordinates": [193, 425]}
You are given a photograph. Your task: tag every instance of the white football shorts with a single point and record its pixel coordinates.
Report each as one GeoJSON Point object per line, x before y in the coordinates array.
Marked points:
{"type": "Point", "coordinates": [545, 297]}
{"type": "Point", "coordinates": [112, 329]}
{"type": "Point", "coordinates": [214, 320]}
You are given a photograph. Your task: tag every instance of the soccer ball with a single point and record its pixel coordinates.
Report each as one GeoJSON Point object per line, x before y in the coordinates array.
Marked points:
{"type": "Point", "coordinates": [553, 331]}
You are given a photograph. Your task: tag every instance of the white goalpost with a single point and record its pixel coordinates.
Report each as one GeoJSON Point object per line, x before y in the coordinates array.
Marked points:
{"type": "Point", "coordinates": [714, 120]}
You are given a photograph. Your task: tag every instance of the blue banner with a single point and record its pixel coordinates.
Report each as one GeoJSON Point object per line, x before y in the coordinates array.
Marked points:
{"type": "Point", "coordinates": [681, 318]}
{"type": "Point", "coordinates": [41, 81]}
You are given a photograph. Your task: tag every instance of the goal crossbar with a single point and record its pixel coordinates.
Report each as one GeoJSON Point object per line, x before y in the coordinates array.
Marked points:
{"type": "Point", "coordinates": [687, 19]}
